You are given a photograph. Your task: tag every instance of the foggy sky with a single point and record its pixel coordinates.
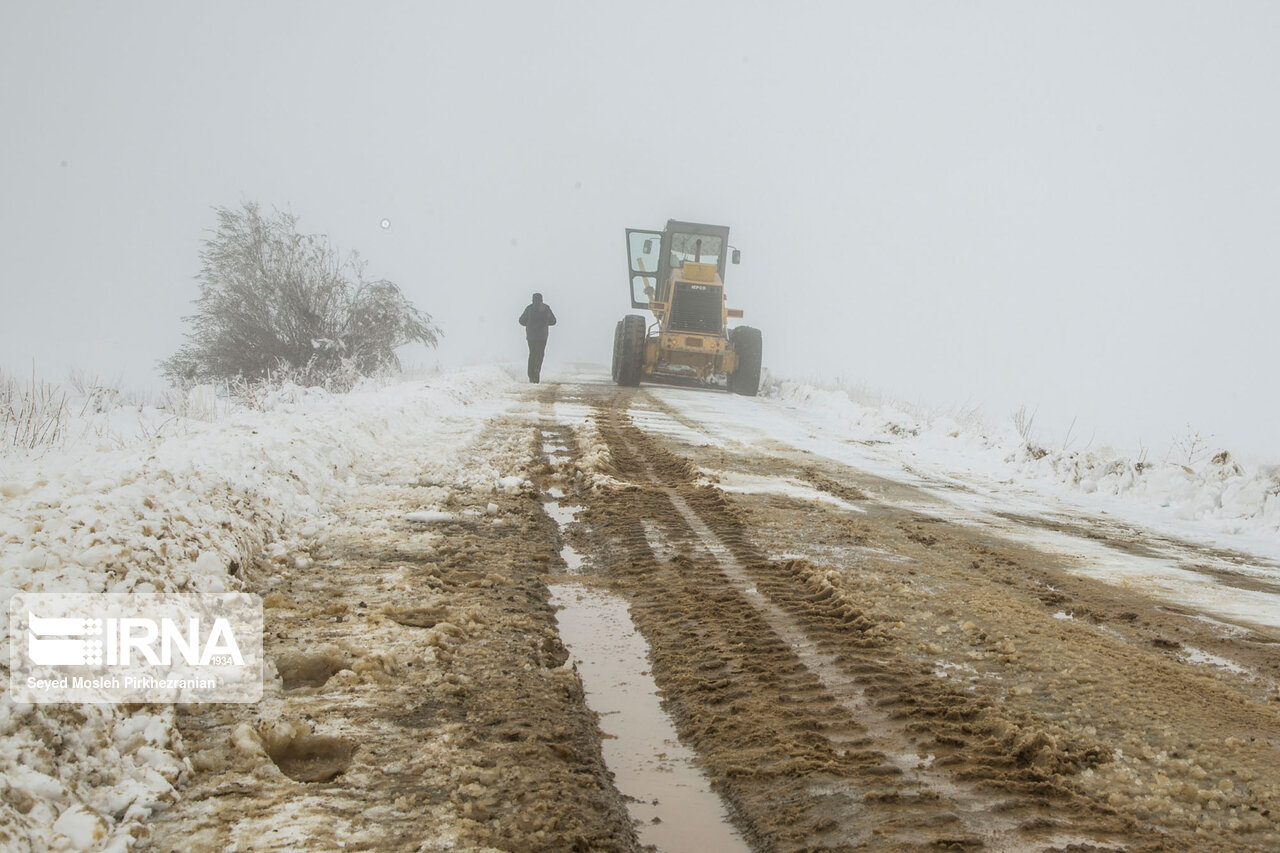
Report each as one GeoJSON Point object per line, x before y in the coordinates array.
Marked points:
{"type": "Point", "coordinates": [1073, 206]}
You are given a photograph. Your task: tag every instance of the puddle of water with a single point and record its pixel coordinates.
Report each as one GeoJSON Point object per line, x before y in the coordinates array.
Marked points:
{"type": "Point", "coordinates": [564, 515]}
{"type": "Point", "coordinates": [556, 453]}
{"type": "Point", "coordinates": [1199, 656]}
{"type": "Point", "coordinates": [671, 801]}
{"type": "Point", "coordinates": [572, 560]}
{"type": "Point", "coordinates": [650, 765]}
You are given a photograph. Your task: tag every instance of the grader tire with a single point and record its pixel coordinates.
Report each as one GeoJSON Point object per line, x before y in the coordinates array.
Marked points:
{"type": "Point", "coordinates": [747, 344]}
{"type": "Point", "coordinates": [617, 349]}
{"type": "Point", "coordinates": [629, 350]}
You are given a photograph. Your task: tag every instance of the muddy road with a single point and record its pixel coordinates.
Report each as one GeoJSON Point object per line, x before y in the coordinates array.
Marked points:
{"type": "Point", "coordinates": [847, 663]}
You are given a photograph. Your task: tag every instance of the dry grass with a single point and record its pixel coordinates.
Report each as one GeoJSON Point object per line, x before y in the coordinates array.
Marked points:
{"type": "Point", "coordinates": [33, 414]}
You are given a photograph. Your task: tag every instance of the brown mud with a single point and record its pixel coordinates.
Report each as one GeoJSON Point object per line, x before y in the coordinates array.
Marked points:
{"type": "Point", "coordinates": [424, 701]}
{"type": "Point", "coordinates": [879, 680]}
{"type": "Point", "coordinates": [1041, 710]}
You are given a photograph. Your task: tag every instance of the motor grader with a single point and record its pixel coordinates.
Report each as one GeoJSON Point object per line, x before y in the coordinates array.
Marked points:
{"type": "Point", "coordinates": [678, 276]}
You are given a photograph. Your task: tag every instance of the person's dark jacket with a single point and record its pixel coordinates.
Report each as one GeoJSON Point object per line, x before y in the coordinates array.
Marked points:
{"type": "Point", "coordinates": [535, 319]}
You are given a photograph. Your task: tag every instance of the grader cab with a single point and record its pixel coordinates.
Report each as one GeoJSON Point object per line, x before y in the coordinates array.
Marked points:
{"type": "Point", "coordinates": [678, 276]}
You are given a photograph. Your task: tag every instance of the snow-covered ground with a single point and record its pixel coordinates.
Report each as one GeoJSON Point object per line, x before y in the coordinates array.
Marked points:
{"type": "Point", "coordinates": [1211, 498]}
{"type": "Point", "coordinates": [136, 500]}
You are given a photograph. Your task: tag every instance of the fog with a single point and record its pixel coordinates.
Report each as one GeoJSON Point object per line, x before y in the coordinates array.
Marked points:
{"type": "Point", "coordinates": [1072, 207]}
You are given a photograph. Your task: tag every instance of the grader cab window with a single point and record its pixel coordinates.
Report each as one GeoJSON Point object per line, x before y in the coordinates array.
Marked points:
{"type": "Point", "coordinates": [643, 288]}
{"type": "Point", "coordinates": [699, 248]}
{"type": "Point", "coordinates": [644, 254]}
{"type": "Point", "coordinates": [644, 250]}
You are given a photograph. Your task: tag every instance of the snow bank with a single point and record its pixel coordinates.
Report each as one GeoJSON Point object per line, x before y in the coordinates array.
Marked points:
{"type": "Point", "coordinates": [1216, 492]}
{"type": "Point", "coordinates": [191, 507]}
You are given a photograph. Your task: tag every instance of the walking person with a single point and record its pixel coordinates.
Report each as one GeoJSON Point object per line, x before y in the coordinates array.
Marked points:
{"type": "Point", "coordinates": [536, 318]}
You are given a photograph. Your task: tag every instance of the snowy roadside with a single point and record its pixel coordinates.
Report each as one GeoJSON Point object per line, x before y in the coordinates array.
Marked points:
{"type": "Point", "coordinates": [196, 507]}
{"type": "Point", "coordinates": [1214, 495]}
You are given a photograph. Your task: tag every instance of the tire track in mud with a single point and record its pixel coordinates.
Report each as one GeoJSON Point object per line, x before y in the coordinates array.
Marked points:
{"type": "Point", "coordinates": [816, 736]}
{"type": "Point", "coordinates": [424, 702]}
{"type": "Point", "coordinates": [669, 798]}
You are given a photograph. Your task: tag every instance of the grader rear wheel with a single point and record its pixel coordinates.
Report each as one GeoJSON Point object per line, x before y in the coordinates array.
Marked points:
{"type": "Point", "coordinates": [747, 345]}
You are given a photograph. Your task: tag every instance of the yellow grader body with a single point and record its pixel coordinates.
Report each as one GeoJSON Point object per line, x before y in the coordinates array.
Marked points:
{"type": "Point", "coordinates": [678, 275]}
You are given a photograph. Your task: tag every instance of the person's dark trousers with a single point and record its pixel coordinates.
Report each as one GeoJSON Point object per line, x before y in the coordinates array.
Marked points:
{"type": "Point", "coordinates": [536, 350]}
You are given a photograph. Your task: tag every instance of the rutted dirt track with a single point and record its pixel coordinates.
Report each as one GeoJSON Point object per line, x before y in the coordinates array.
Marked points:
{"type": "Point", "coordinates": [423, 702]}
{"type": "Point", "coordinates": [851, 675]}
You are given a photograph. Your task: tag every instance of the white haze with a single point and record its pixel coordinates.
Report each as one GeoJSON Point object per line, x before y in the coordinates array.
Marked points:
{"type": "Point", "coordinates": [1069, 206]}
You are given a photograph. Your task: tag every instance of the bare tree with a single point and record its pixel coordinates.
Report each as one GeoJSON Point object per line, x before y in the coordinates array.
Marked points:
{"type": "Point", "coordinates": [272, 298]}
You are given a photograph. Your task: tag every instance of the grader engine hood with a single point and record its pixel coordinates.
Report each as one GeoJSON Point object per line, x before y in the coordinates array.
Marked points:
{"type": "Point", "coordinates": [696, 307]}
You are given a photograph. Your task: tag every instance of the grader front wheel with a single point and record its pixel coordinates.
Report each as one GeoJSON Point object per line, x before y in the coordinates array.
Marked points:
{"type": "Point", "coordinates": [628, 350]}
